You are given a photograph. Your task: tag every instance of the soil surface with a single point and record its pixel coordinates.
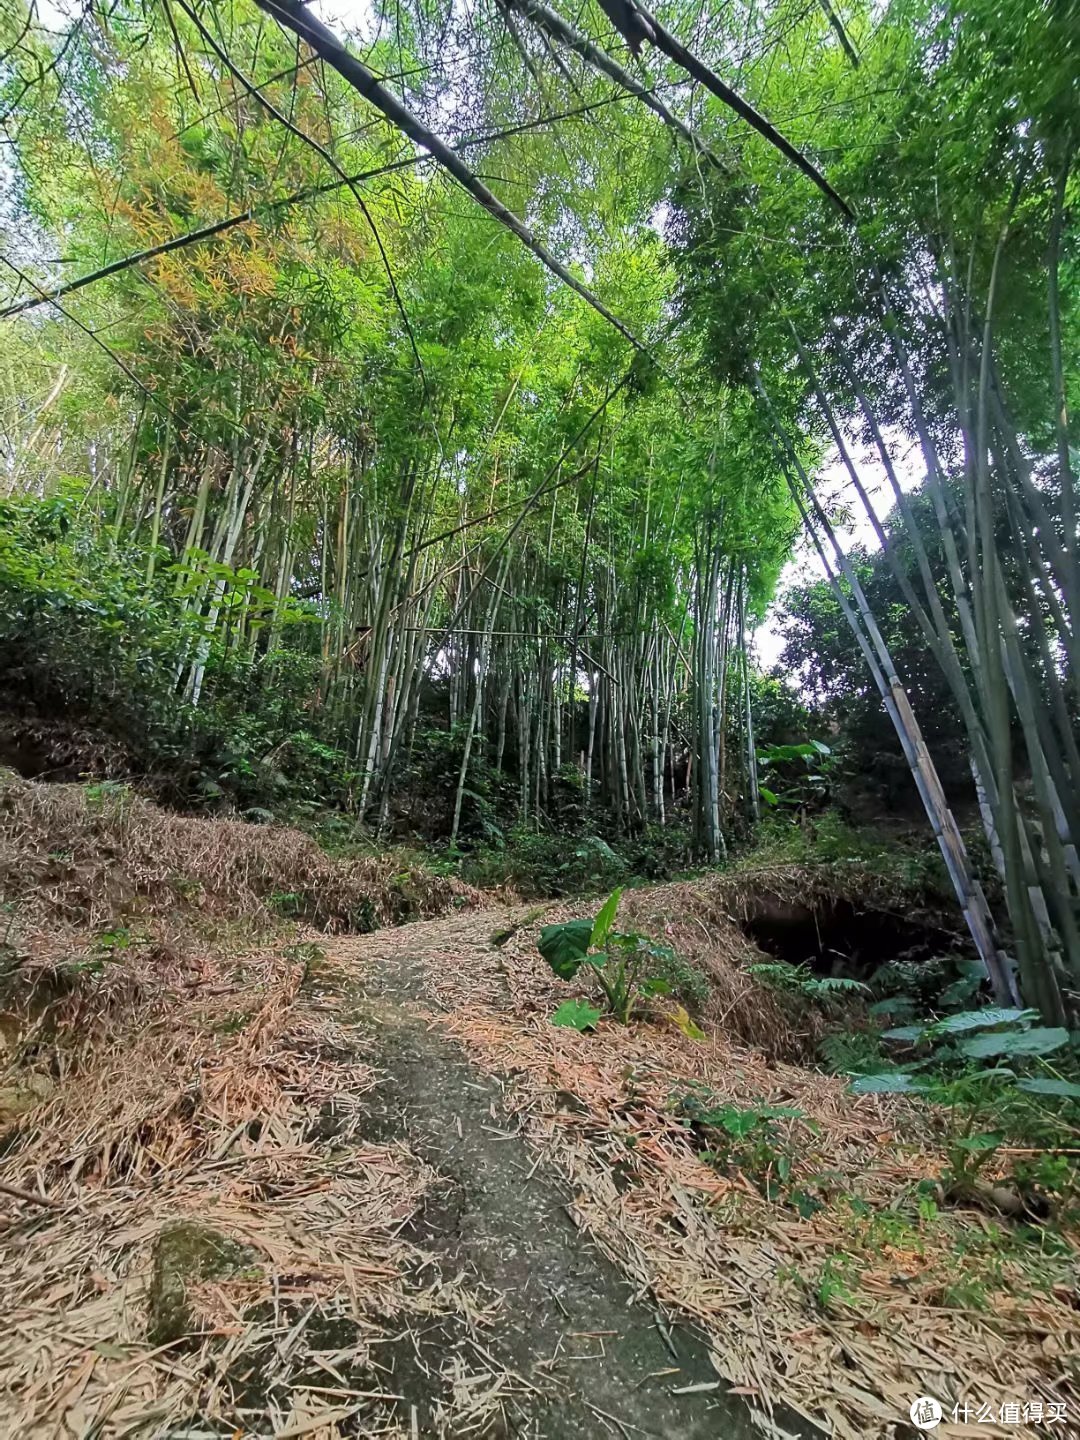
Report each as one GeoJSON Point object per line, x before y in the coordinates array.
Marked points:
{"type": "Point", "coordinates": [265, 1182]}
{"type": "Point", "coordinates": [596, 1358]}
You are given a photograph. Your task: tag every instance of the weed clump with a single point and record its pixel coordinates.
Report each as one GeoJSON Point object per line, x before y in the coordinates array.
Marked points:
{"type": "Point", "coordinates": [628, 969]}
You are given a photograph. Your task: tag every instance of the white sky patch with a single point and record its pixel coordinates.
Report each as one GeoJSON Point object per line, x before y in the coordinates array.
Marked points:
{"type": "Point", "coordinates": [834, 484]}
{"type": "Point", "coordinates": [353, 17]}
{"type": "Point", "coordinates": [56, 14]}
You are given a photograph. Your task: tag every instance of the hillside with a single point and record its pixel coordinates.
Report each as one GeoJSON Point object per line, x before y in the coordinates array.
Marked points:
{"type": "Point", "coordinates": [260, 1175]}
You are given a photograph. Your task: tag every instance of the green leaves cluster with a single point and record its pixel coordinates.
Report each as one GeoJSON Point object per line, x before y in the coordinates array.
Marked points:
{"type": "Point", "coordinates": [801, 980]}
{"type": "Point", "coordinates": [627, 969]}
{"type": "Point", "coordinates": [979, 1074]}
{"type": "Point", "coordinates": [762, 1142]}
{"type": "Point", "coordinates": [986, 1034]}
{"type": "Point", "coordinates": [801, 767]}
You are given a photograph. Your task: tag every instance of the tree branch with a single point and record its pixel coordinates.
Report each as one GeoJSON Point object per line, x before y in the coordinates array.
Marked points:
{"type": "Point", "coordinates": [675, 50]}
{"type": "Point", "coordinates": [293, 15]}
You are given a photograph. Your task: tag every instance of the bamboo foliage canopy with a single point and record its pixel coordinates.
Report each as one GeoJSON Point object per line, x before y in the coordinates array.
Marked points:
{"type": "Point", "coordinates": [495, 351]}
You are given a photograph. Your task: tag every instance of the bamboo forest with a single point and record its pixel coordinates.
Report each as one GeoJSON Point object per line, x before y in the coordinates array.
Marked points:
{"type": "Point", "coordinates": [539, 718]}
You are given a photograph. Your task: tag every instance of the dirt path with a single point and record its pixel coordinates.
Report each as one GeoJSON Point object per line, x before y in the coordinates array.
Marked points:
{"type": "Point", "coordinates": [596, 1356]}
{"type": "Point", "coordinates": [266, 1184]}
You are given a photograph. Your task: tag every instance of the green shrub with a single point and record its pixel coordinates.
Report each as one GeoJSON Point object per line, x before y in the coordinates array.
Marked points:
{"type": "Point", "coordinates": [83, 632]}
{"type": "Point", "coordinates": [538, 864]}
{"type": "Point", "coordinates": [906, 868]}
{"type": "Point", "coordinates": [626, 968]}
{"type": "Point", "coordinates": [989, 1074]}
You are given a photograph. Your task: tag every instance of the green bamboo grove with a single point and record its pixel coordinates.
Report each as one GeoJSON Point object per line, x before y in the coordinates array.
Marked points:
{"type": "Point", "coordinates": [481, 368]}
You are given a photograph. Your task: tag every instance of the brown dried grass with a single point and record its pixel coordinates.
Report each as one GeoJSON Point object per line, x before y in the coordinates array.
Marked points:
{"type": "Point", "coordinates": [152, 1122]}
{"type": "Point", "coordinates": [600, 1108]}
{"type": "Point", "coordinates": [77, 860]}
{"type": "Point", "coordinates": [699, 921]}
{"type": "Point", "coordinates": [704, 919]}
{"type": "Point", "coordinates": [170, 1111]}
{"type": "Point", "coordinates": [182, 1078]}
{"type": "Point", "coordinates": [88, 851]}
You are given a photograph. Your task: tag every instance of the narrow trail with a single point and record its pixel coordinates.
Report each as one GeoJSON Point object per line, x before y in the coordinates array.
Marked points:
{"type": "Point", "coordinates": [360, 1186]}
{"type": "Point", "coordinates": [595, 1354]}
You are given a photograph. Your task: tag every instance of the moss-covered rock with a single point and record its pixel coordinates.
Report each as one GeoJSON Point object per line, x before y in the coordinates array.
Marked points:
{"type": "Point", "coordinates": [27, 1092]}
{"type": "Point", "coordinates": [184, 1254]}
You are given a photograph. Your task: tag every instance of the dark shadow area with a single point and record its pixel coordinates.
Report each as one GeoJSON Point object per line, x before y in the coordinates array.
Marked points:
{"type": "Point", "coordinates": [838, 938]}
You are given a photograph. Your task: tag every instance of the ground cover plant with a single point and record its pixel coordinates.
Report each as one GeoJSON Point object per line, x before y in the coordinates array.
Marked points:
{"type": "Point", "coordinates": [1005, 1085]}
{"type": "Point", "coordinates": [627, 968]}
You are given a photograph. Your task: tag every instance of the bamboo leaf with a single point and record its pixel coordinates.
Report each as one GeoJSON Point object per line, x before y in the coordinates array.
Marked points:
{"type": "Point", "coordinates": [1067, 1089]}
{"type": "Point", "coordinates": [681, 1018]}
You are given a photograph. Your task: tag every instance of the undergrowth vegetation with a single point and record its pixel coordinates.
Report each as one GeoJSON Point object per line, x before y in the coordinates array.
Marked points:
{"type": "Point", "coordinates": [85, 632]}
{"type": "Point", "coordinates": [628, 969]}
{"type": "Point", "coordinates": [897, 857]}
{"type": "Point", "coordinates": [999, 1093]}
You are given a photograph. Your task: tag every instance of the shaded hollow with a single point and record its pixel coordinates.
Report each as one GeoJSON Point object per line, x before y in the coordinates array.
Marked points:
{"type": "Point", "coordinates": [835, 937]}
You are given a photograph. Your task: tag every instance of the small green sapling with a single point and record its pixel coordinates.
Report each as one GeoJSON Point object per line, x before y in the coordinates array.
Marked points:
{"type": "Point", "coordinates": [626, 969]}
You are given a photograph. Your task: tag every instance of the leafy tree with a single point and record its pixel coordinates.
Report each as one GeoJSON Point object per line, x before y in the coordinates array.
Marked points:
{"type": "Point", "coordinates": [528, 414]}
